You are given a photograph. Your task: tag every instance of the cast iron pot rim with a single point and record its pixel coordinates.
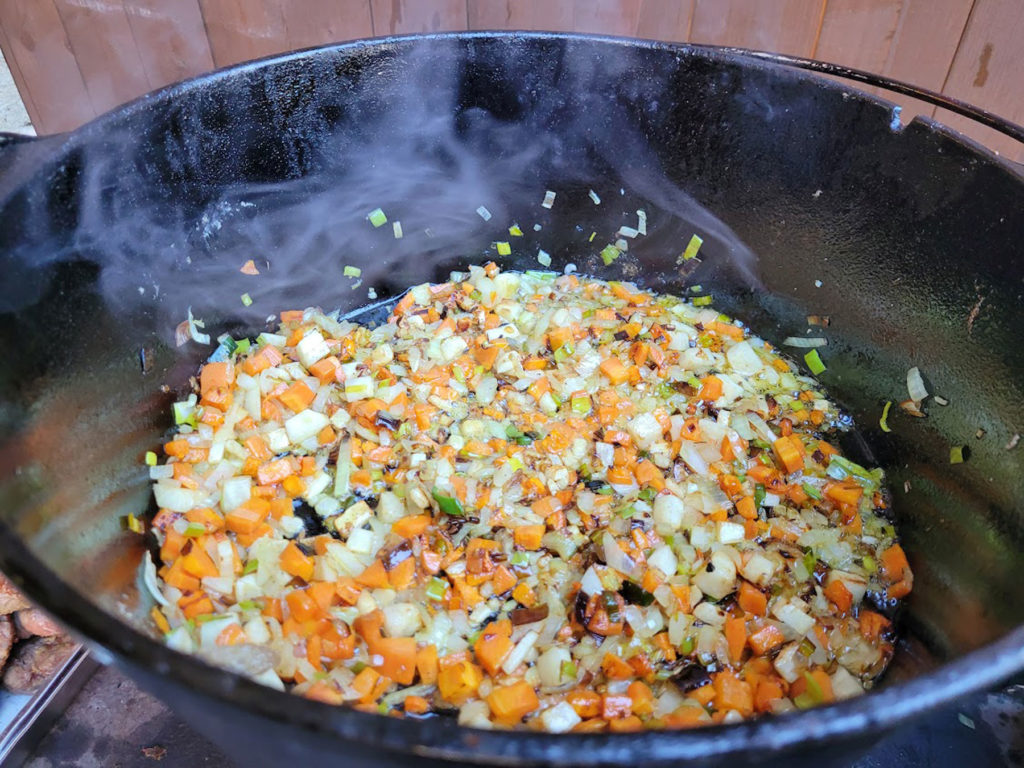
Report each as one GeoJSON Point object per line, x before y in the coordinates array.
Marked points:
{"type": "Point", "coordinates": [878, 712]}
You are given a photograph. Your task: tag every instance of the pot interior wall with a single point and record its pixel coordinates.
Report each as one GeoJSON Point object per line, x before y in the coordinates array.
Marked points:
{"type": "Point", "coordinates": [808, 200]}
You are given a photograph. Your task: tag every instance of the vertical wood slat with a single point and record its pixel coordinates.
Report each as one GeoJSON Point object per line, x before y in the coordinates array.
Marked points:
{"type": "Point", "coordinates": [520, 14]}
{"type": "Point", "coordinates": [606, 17]}
{"type": "Point", "coordinates": [669, 20]}
{"type": "Point", "coordinates": [988, 71]}
{"type": "Point", "coordinates": [19, 80]}
{"type": "Point", "coordinates": [781, 26]}
{"type": "Point", "coordinates": [923, 48]}
{"type": "Point", "coordinates": [38, 47]}
{"type": "Point", "coordinates": [171, 39]}
{"type": "Point", "coordinates": [101, 39]}
{"type": "Point", "coordinates": [402, 17]}
{"type": "Point", "coordinates": [240, 30]}
{"type": "Point", "coordinates": [859, 33]}
{"type": "Point", "coordinates": [318, 22]}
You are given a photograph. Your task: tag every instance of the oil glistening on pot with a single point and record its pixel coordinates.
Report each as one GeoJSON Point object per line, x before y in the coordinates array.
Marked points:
{"type": "Point", "coordinates": [527, 500]}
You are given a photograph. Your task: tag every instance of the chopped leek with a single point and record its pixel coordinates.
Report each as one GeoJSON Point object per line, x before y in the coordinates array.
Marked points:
{"type": "Point", "coordinates": [883, 422]}
{"type": "Point", "coordinates": [396, 228]}
{"type": "Point", "coordinates": [246, 300]}
{"type": "Point", "coordinates": [519, 558]}
{"type": "Point", "coordinates": [544, 258]}
{"type": "Point", "coordinates": [377, 217]}
{"type": "Point", "coordinates": [504, 249]}
{"type": "Point", "coordinates": [811, 491]}
{"type": "Point", "coordinates": [691, 249]}
{"type": "Point", "coordinates": [151, 459]}
{"type": "Point", "coordinates": [814, 363]}
{"type": "Point", "coordinates": [515, 231]}
{"type": "Point", "coordinates": [594, 197]}
{"type": "Point", "coordinates": [956, 454]}
{"type": "Point", "coordinates": [352, 271]}
{"type": "Point", "coordinates": [436, 589]}
{"type": "Point", "coordinates": [702, 301]}
{"type": "Point", "coordinates": [250, 566]}
{"type": "Point", "coordinates": [483, 213]}
{"type": "Point", "coordinates": [580, 405]}
{"type": "Point", "coordinates": [549, 199]}
{"type": "Point", "coordinates": [609, 254]}
{"type": "Point", "coordinates": [134, 524]}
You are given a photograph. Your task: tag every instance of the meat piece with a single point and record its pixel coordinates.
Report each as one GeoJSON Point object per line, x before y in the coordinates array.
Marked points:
{"type": "Point", "coordinates": [34, 622]}
{"type": "Point", "coordinates": [6, 638]}
{"type": "Point", "coordinates": [34, 661]}
{"type": "Point", "coordinates": [11, 599]}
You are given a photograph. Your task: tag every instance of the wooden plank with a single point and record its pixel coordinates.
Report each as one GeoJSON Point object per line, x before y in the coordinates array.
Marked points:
{"type": "Point", "coordinates": [606, 17]}
{"type": "Point", "coordinates": [101, 39]}
{"type": "Point", "coordinates": [402, 17]}
{"type": "Point", "coordinates": [987, 71]}
{"type": "Point", "coordinates": [859, 33]}
{"type": "Point", "coordinates": [39, 48]}
{"type": "Point", "coordinates": [19, 80]}
{"type": "Point", "coordinates": [780, 26]}
{"type": "Point", "coordinates": [543, 15]}
{"type": "Point", "coordinates": [665, 20]}
{"type": "Point", "coordinates": [319, 22]}
{"type": "Point", "coordinates": [241, 30]}
{"type": "Point", "coordinates": [170, 38]}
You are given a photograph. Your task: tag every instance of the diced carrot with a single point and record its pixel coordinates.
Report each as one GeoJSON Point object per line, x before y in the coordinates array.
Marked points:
{"type": "Point", "coordinates": [216, 379]}
{"type": "Point", "coordinates": [752, 600]}
{"type": "Point", "coordinates": [710, 388]}
{"type": "Point", "coordinates": [297, 397]}
{"type": "Point", "coordinates": [426, 664]}
{"type": "Point", "coordinates": [894, 562]}
{"type": "Point", "coordinates": [736, 638]}
{"type": "Point", "coordinates": [767, 691]}
{"type": "Point", "coordinates": [559, 337]}
{"type": "Point", "coordinates": [790, 453]}
{"type": "Point", "coordinates": [201, 606]}
{"type": "Point", "coordinates": [416, 705]}
{"type": "Point", "coordinates": [529, 536]}
{"type": "Point", "coordinates": [615, 668]}
{"type": "Point", "coordinates": [347, 590]}
{"type": "Point", "coordinates": [642, 697]}
{"type": "Point", "coordinates": [648, 474]}
{"type": "Point", "coordinates": [326, 370]}
{"type": "Point", "coordinates": [614, 706]}
{"type": "Point", "coordinates": [293, 486]}
{"type": "Point", "coordinates": [365, 682]}
{"type": "Point", "coordinates": [746, 509]}
{"type": "Point", "coordinates": [275, 471]}
{"type": "Point", "coordinates": [413, 525]}
{"type": "Point", "coordinates": [323, 594]}
{"type": "Point", "coordinates": [511, 703]}
{"type": "Point", "coordinates": [248, 516]}
{"type": "Point", "coordinates": [838, 593]}
{"type": "Point", "coordinates": [458, 682]}
{"type": "Point", "coordinates": [486, 356]}
{"type": "Point", "coordinates": [402, 575]}
{"type": "Point", "coordinates": [503, 580]}
{"type": "Point", "coordinates": [206, 517]}
{"type": "Point", "coordinates": [585, 702]}
{"type": "Point", "coordinates": [296, 562]}
{"type": "Point", "coordinates": [301, 605]}
{"type": "Point", "coordinates": [732, 693]}
{"type": "Point", "coordinates": [493, 645]}
{"type": "Point", "coordinates": [844, 492]}
{"type": "Point", "coordinates": [899, 589]}
{"type": "Point", "coordinates": [399, 658]}
{"type": "Point", "coordinates": [198, 563]}
{"type": "Point", "coordinates": [766, 639]}
{"type": "Point", "coordinates": [613, 368]}
{"type": "Point", "coordinates": [374, 576]}
{"type": "Point", "coordinates": [872, 624]}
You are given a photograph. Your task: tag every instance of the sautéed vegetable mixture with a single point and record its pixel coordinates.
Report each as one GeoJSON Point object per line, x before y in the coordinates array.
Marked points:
{"type": "Point", "coordinates": [531, 501]}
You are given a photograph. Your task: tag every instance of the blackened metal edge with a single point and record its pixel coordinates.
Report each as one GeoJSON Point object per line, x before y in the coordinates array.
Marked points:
{"type": "Point", "coordinates": [879, 711]}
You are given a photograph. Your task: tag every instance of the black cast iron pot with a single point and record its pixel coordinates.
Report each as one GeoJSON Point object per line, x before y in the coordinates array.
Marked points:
{"type": "Point", "coordinates": [811, 200]}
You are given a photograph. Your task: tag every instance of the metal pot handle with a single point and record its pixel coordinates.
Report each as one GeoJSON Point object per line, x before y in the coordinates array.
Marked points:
{"type": "Point", "coordinates": [1013, 130]}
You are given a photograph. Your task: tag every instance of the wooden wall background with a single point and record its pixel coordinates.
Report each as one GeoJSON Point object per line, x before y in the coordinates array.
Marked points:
{"type": "Point", "coordinates": [75, 59]}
